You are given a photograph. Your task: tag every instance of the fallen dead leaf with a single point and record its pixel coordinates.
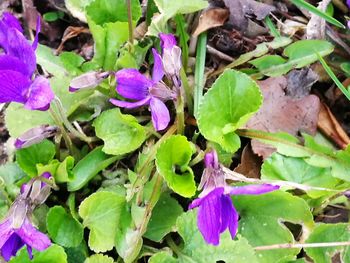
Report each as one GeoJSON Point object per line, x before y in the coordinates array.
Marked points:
{"type": "Point", "coordinates": [316, 28]}
{"type": "Point", "coordinates": [330, 127]}
{"type": "Point", "coordinates": [300, 81]}
{"type": "Point", "coordinates": [282, 113]}
{"type": "Point", "coordinates": [211, 18]}
{"type": "Point", "coordinates": [71, 32]}
{"type": "Point", "coordinates": [250, 164]}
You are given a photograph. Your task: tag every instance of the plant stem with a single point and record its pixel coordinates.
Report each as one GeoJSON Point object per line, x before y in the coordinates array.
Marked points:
{"type": "Point", "coordinates": [172, 245]}
{"type": "Point", "coordinates": [68, 125]}
{"type": "Point", "coordinates": [300, 245]}
{"type": "Point", "coordinates": [131, 29]}
{"type": "Point", "coordinates": [65, 135]}
{"type": "Point", "coordinates": [180, 115]}
{"type": "Point", "coordinates": [199, 71]}
{"type": "Point", "coordinates": [188, 91]}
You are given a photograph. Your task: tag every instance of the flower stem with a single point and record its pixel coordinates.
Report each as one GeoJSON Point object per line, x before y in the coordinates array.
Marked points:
{"type": "Point", "coordinates": [300, 245]}
{"type": "Point", "coordinates": [199, 71]}
{"type": "Point", "coordinates": [68, 125]}
{"type": "Point", "coordinates": [187, 90]}
{"type": "Point", "coordinates": [131, 30]}
{"type": "Point", "coordinates": [64, 133]}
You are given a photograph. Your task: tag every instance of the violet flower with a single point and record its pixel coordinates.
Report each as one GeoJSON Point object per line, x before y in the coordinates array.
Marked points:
{"type": "Point", "coordinates": [17, 230]}
{"type": "Point", "coordinates": [216, 211]}
{"type": "Point", "coordinates": [131, 84]}
{"type": "Point", "coordinates": [17, 66]}
{"type": "Point", "coordinates": [35, 135]}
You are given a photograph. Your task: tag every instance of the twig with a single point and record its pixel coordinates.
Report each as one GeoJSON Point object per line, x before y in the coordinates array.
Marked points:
{"type": "Point", "coordinates": [219, 54]}
{"type": "Point", "coordinates": [310, 245]}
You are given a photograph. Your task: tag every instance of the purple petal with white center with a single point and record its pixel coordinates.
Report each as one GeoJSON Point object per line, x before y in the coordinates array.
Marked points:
{"type": "Point", "coordinates": [130, 105]}
{"type": "Point", "coordinates": [5, 231]}
{"type": "Point", "coordinates": [209, 216]}
{"type": "Point", "coordinates": [20, 47]}
{"type": "Point", "coordinates": [172, 61]}
{"type": "Point", "coordinates": [33, 237]}
{"type": "Point", "coordinates": [11, 21]}
{"type": "Point", "coordinates": [40, 95]}
{"type": "Point", "coordinates": [8, 62]}
{"type": "Point", "coordinates": [167, 41]}
{"type": "Point", "coordinates": [12, 245]}
{"type": "Point", "coordinates": [14, 86]}
{"type": "Point", "coordinates": [160, 114]}
{"type": "Point", "coordinates": [229, 215]}
{"type": "Point", "coordinates": [254, 189]}
{"type": "Point", "coordinates": [131, 84]}
{"type": "Point", "coordinates": [158, 72]}
{"type": "Point", "coordinates": [37, 31]}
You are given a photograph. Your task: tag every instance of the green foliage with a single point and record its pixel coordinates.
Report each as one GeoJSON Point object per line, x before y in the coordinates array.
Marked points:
{"type": "Point", "coordinates": [169, 9]}
{"type": "Point", "coordinates": [292, 169]}
{"type": "Point", "coordinates": [300, 54]}
{"type": "Point", "coordinates": [121, 133]}
{"type": "Point", "coordinates": [63, 228]}
{"type": "Point", "coordinates": [101, 213]}
{"type": "Point", "coordinates": [53, 16]}
{"type": "Point", "coordinates": [329, 233]}
{"type": "Point", "coordinates": [41, 153]}
{"type": "Point", "coordinates": [229, 103]}
{"type": "Point", "coordinates": [196, 250]}
{"type": "Point", "coordinates": [164, 217]}
{"type": "Point", "coordinates": [162, 257]}
{"type": "Point", "coordinates": [89, 166]}
{"type": "Point", "coordinates": [99, 258]}
{"type": "Point", "coordinates": [53, 254]}
{"type": "Point", "coordinates": [172, 159]}
{"type": "Point", "coordinates": [261, 222]}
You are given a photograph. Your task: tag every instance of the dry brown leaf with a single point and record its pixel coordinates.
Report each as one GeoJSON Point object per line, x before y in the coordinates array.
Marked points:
{"type": "Point", "coordinates": [71, 32]}
{"type": "Point", "coordinates": [316, 28]}
{"type": "Point", "coordinates": [211, 18]}
{"type": "Point", "coordinates": [250, 164]}
{"type": "Point", "coordinates": [281, 113]}
{"type": "Point", "coordinates": [329, 125]}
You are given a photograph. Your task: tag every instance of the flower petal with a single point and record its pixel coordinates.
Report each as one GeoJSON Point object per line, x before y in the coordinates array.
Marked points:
{"type": "Point", "coordinates": [211, 159]}
{"type": "Point", "coordinates": [8, 62]}
{"type": "Point", "coordinates": [130, 105]}
{"type": "Point", "coordinates": [158, 72]}
{"type": "Point", "coordinates": [11, 246]}
{"type": "Point", "coordinates": [254, 189]}
{"type": "Point", "coordinates": [131, 84]}
{"type": "Point", "coordinates": [13, 85]}
{"type": "Point", "coordinates": [5, 231]}
{"type": "Point", "coordinates": [40, 95]}
{"type": "Point", "coordinates": [19, 46]}
{"type": "Point", "coordinates": [11, 21]}
{"type": "Point", "coordinates": [167, 41]}
{"type": "Point", "coordinates": [209, 216]}
{"type": "Point", "coordinates": [160, 114]}
{"type": "Point", "coordinates": [229, 215]}
{"type": "Point", "coordinates": [37, 31]}
{"type": "Point", "coordinates": [33, 237]}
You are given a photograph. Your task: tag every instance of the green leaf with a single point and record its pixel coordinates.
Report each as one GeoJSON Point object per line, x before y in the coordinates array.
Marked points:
{"type": "Point", "coordinates": [229, 103]}
{"type": "Point", "coordinates": [300, 54]}
{"type": "Point", "coordinates": [89, 166]}
{"type": "Point", "coordinates": [197, 250]}
{"type": "Point", "coordinates": [50, 62]}
{"type": "Point", "coordinates": [53, 16]}
{"type": "Point", "coordinates": [101, 212]}
{"type": "Point", "coordinates": [54, 254]}
{"type": "Point", "coordinates": [121, 133]}
{"type": "Point", "coordinates": [104, 11]}
{"type": "Point", "coordinates": [261, 222]}
{"type": "Point", "coordinates": [279, 167]}
{"type": "Point", "coordinates": [329, 233]}
{"type": "Point", "coordinates": [72, 62]}
{"type": "Point", "coordinates": [77, 8]}
{"type": "Point", "coordinates": [28, 158]}
{"type": "Point", "coordinates": [162, 257]}
{"type": "Point", "coordinates": [169, 9]}
{"type": "Point", "coordinates": [63, 228]}
{"type": "Point", "coordinates": [172, 159]}
{"type": "Point", "coordinates": [64, 170]}
{"type": "Point", "coordinates": [164, 216]}
{"type": "Point", "coordinates": [77, 254]}
{"type": "Point", "coordinates": [99, 258]}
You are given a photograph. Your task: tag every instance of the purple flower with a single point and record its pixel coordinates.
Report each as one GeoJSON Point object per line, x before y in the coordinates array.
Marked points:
{"type": "Point", "coordinates": [216, 212]}
{"type": "Point", "coordinates": [17, 230]}
{"type": "Point", "coordinates": [131, 84]}
{"type": "Point", "coordinates": [171, 55]}
{"type": "Point", "coordinates": [35, 135]}
{"type": "Point", "coordinates": [17, 65]}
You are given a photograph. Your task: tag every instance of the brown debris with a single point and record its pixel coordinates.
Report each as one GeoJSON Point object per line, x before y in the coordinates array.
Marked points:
{"type": "Point", "coordinates": [282, 113]}
{"type": "Point", "coordinates": [250, 164]}
{"type": "Point", "coordinates": [211, 18]}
